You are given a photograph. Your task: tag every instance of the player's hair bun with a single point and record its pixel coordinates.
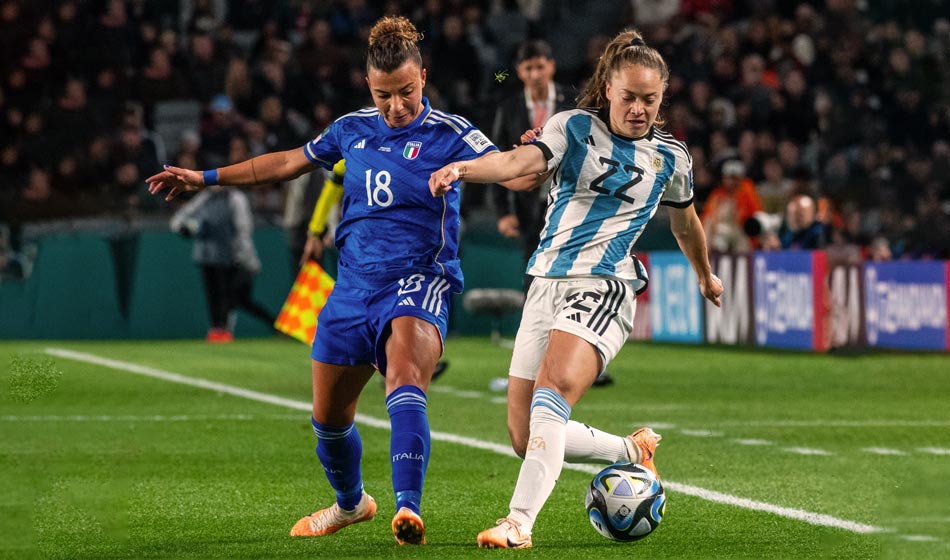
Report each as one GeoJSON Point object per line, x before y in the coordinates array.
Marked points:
{"type": "Point", "coordinates": [393, 28]}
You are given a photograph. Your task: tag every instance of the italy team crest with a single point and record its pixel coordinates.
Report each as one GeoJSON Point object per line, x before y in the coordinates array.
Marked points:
{"type": "Point", "coordinates": [411, 150]}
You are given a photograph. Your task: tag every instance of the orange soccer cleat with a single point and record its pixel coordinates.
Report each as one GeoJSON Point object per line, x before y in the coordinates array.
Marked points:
{"type": "Point", "coordinates": [332, 519]}
{"type": "Point", "coordinates": [641, 447]}
{"type": "Point", "coordinates": [408, 527]}
{"type": "Point", "coordinates": [505, 534]}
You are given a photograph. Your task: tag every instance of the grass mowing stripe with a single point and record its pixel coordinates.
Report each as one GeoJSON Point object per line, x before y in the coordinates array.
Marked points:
{"type": "Point", "coordinates": [695, 491]}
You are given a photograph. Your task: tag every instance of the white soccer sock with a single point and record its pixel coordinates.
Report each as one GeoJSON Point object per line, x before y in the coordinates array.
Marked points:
{"type": "Point", "coordinates": [585, 444]}
{"type": "Point", "coordinates": [543, 459]}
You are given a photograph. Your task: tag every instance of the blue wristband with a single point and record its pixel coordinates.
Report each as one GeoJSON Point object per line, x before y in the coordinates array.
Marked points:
{"type": "Point", "coordinates": [210, 177]}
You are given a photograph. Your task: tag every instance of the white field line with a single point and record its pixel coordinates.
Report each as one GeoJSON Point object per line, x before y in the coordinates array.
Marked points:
{"type": "Point", "coordinates": [743, 441]}
{"type": "Point", "coordinates": [883, 451]}
{"type": "Point", "coordinates": [695, 491]}
{"type": "Point", "coordinates": [934, 450]}
{"type": "Point", "coordinates": [145, 417]}
{"type": "Point", "coordinates": [808, 451]}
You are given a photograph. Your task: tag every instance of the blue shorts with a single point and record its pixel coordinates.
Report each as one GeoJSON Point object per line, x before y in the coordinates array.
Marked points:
{"type": "Point", "coordinates": [354, 325]}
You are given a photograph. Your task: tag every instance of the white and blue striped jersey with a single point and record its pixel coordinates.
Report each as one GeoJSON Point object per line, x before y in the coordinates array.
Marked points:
{"type": "Point", "coordinates": [390, 224]}
{"type": "Point", "coordinates": [604, 191]}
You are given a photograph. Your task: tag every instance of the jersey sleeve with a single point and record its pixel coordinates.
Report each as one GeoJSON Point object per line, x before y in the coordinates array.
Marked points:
{"type": "Point", "coordinates": [325, 150]}
{"type": "Point", "coordinates": [553, 141]}
{"type": "Point", "coordinates": [474, 144]}
{"type": "Point", "coordinates": [680, 192]}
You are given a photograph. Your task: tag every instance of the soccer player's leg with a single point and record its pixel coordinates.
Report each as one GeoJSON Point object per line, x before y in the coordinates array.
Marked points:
{"type": "Point", "coordinates": [339, 448]}
{"type": "Point", "coordinates": [408, 349]}
{"type": "Point", "coordinates": [531, 343]}
{"type": "Point", "coordinates": [569, 368]}
{"type": "Point", "coordinates": [340, 370]}
{"type": "Point", "coordinates": [605, 320]}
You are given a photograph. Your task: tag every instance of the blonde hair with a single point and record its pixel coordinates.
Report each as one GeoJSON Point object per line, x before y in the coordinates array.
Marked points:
{"type": "Point", "coordinates": [393, 40]}
{"type": "Point", "coordinates": [625, 49]}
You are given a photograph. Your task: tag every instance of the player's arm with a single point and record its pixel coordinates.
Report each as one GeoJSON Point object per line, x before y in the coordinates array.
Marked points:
{"type": "Point", "coordinates": [263, 169]}
{"type": "Point", "coordinates": [493, 167]}
{"type": "Point", "coordinates": [330, 196]}
{"type": "Point", "coordinates": [689, 234]}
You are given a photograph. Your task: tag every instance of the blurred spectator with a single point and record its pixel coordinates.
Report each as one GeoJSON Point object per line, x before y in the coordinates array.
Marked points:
{"type": "Point", "coordinates": [853, 92]}
{"type": "Point", "coordinates": [728, 208]}
{"type": "Point", "coordinates": [220, 222]}
{"type": "Point", "coordinates": [802, 229]}
{"type": "Point", "coordinates": [456, 66]}
{"type": "Point", "coordinates": [206, 68]}
{"type": "Point", "coordinates": [879, 250]}
{"type": "Point", "coordinates": [220, 124]}
{"type": "Point", "coordinates": [521, 214]}
{"type": "Point", "coordinates": [159, 80]}
{"type": "Point", "coordinates": [775, 189]}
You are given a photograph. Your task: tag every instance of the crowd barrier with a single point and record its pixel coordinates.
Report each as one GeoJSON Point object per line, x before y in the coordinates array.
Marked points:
{"type": "Point", "coordinates": [87, 285]}
{"type": "Point", "coordinates": [144, 285]}
{"type": "Point", "coordinates": [802, 300]}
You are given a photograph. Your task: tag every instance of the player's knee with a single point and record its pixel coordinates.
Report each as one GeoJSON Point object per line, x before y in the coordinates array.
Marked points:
{"type": "Point", "coordinates": [406, 373]}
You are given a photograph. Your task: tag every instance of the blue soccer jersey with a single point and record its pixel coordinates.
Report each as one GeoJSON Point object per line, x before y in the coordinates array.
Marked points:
{"type": "Point", "coordinates": [391, 224]}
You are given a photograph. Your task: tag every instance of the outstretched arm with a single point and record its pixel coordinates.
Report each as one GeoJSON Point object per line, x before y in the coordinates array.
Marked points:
{"type": "Point", "coordinates": [688, 231]}
{"type": "Point", "coordinates": [263, 169]}
{"type": "Point", "coordinates": [494, 167]}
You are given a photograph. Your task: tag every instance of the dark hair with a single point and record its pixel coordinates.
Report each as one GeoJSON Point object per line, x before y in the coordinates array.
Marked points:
{"type": "Point", "coordinates": [393, 40]}
{"type": "Point", "coordinates": [533, 48]}
{"type": "Point", "coordinates": [626, 48]}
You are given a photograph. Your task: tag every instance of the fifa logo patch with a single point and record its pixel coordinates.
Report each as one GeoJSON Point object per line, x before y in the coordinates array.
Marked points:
{"type": "Point", "coordinates": [411, 150]}
{"type": "Point", "coordinates": [657, 163]}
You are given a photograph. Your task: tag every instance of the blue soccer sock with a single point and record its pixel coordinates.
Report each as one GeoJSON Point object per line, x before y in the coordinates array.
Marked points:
{"type": "Point", "coordinates": [409, 444]}
{"type": "Point", "coordinates": [340, 449]}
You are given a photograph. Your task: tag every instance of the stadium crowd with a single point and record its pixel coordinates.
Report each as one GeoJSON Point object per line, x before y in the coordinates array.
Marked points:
{"type": "Point", "coordinates": [836, 105]}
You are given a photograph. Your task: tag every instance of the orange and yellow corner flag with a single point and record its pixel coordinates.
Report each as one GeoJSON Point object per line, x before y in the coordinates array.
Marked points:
{"type": "Point", "coordinates": [298, 316]}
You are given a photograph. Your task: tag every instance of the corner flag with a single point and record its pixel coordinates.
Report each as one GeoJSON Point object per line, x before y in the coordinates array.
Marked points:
{"type": "Point", "coordinates": [298, 316]}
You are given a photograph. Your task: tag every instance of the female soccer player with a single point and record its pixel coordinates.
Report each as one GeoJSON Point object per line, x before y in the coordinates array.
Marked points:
{"type": "Point", "coordinates": [398, 264]}
{"type": "Point", "coordinates": [612, 167]}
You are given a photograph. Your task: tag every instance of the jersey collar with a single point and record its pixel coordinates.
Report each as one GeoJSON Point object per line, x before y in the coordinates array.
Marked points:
{"type": "Point", "coordinates": [426, 109]}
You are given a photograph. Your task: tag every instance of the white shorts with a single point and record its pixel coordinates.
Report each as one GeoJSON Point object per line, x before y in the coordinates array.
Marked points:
{"type": "Point", "coordinates": [598, 310]}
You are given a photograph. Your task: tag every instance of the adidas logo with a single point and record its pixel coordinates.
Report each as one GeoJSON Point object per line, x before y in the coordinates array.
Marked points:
{"type": "Point", "coordinates": [576, 317]}
{"type": "Point", "coordinates": [360, 145]}
{"type": "Point", "coordinates": [407, 301]}
{"type": "Point", "coordinates": [589, 140]}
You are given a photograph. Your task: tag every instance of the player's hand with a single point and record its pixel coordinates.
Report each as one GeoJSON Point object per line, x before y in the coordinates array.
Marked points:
{"type": "Point", "coordinates": [313, 249]}
{"type": "Point", "coordinates": [530, 136]}
{"type": "Point", "coordinates": [441, 181]}
{"type": "Point", "coordinates": [176, 179]}
{"type": "Point", "coordinates": [508, 226]}
{"type": "Point", "coordinates": [711, 288]}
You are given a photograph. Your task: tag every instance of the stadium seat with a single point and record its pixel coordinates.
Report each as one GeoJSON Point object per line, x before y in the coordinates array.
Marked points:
{"type": "Point", "coordinates": [496, 302]}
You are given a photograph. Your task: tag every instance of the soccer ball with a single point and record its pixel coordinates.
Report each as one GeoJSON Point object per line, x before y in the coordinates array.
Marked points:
{"type": "Point", "coordinates": [625, 502]}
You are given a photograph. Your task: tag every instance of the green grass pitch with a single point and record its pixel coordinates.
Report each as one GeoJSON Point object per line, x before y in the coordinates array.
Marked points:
{"type": "Point", "coordinates": [106, 454]}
